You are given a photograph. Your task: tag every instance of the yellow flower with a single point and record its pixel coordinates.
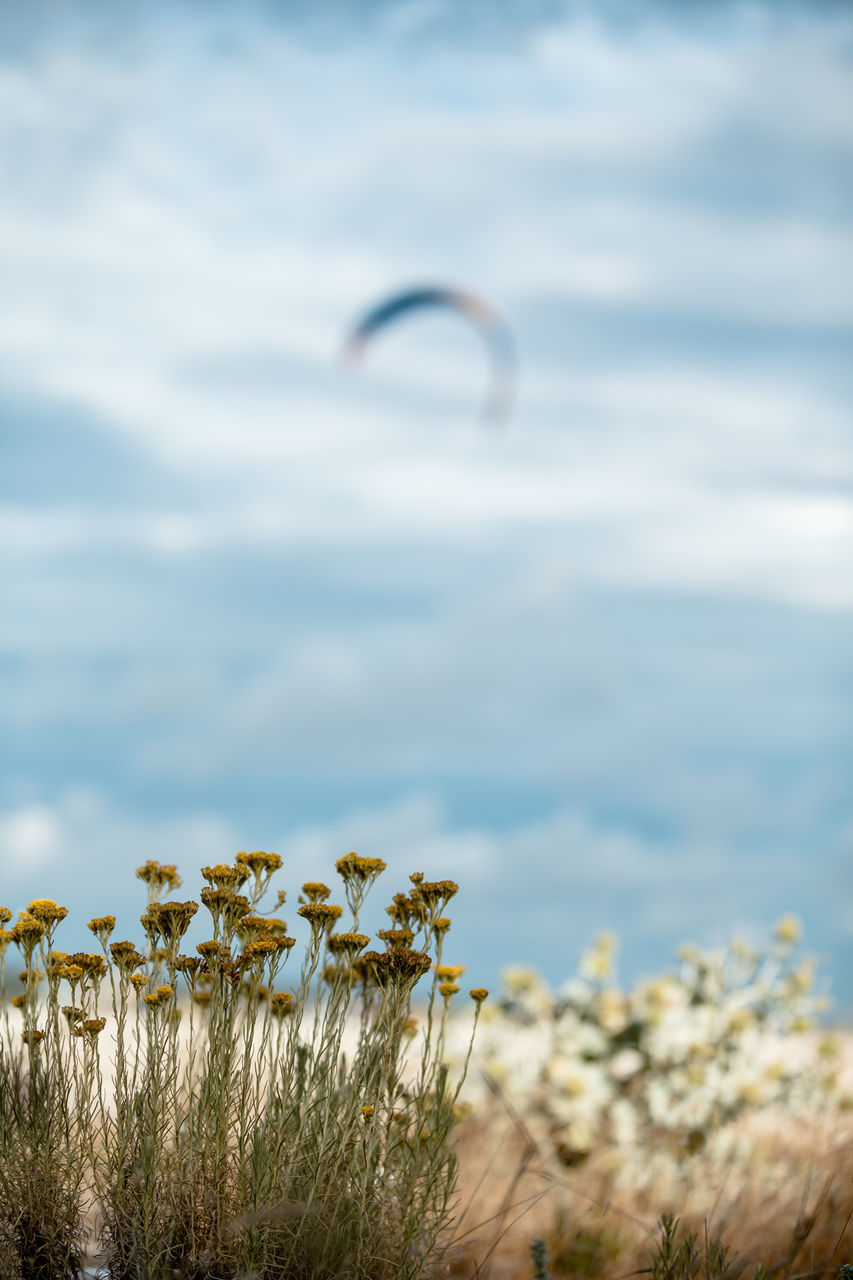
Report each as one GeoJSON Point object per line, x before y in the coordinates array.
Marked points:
{"type": "Point", "coordinates": [226, 905]}
{"type": "Point", "coordinates": [92, 1027]}
{"type": "Point", "coordinates": [448, 989]}
{"type": "Point", "coordinates": [320, 915]}
{"type": "Point", "coordinates": [27, 932]}
{"type": "Point", "coordinates": [259, 864]}
{"type": "Point", "coordinates": [225, 876]}
{"type": "Point", "coordinates": [478, 995]}
{"type": "Point", "coordinates": [316, 891]}
{"type": "Point", "coordinates": [449, 972]}
{"type": "Point", "coordinates": [281, 1003]}
{"type": "Point", "coordinates": [434, 892]}
{"type": "Point", "coordinates": [102, 927]}
{"type": "Point", "coordinates": [213, 952]}
{"type": "Point", "coordinates": [347, 943]}
{"type": "Point", "coordinates": [5, 915]}
{"type": "Point", "coordinates": [138, 980]}
{"type": "Point", "coordinates": [94, 966]}
{"type": "Point", "coordinates": [353, 867]}
{"type": "Point", "coordinates": [47, 911]}
{"type": "Point", "coordinates": [18, 1002]}
{"type": "Point", "coordinates": [170, 920]}
{"type": "Point", "coordinates": [788, 930]}
{"type": "Point", "coordinates": [125, 956]}
{"type": "Point", "coordinates": [396, 937]}
{"type": "Point", "coordinates": [159, 875]}
{"type": "Point", "coordinates": [399, 967]}
{"type": "Point", "coordinates": [367, 1111]}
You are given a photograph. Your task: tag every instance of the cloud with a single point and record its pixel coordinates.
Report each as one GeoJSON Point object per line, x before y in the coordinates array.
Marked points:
{"type": "Point", "coordinates": [598, 665]}
{"type": "Point", "coordinates": [534, 892]}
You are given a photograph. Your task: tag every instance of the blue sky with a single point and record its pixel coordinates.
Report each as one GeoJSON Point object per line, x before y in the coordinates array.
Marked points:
{"type": "Point", "coordinates": [599, 670]}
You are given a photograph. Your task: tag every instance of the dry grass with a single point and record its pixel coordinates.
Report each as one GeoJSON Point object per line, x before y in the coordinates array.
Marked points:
{"type": "Point", "coordinates": [783, 1208]}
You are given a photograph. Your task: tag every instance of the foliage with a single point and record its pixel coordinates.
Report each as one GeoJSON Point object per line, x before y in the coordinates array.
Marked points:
{"type": "Point", "coordinates": [197, 1119]}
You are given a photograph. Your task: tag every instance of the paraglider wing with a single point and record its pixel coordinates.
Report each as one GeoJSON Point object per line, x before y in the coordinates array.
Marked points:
{"type": "Point", "coordinates": [499, 399]}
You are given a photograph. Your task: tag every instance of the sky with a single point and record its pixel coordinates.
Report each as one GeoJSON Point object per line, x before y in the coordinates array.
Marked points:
{"type": "Point", "coordinates": [598, 668]}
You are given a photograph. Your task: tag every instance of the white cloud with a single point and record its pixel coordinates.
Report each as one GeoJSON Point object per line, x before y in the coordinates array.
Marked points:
{"type": "Point", "coordinates": [533, 892]}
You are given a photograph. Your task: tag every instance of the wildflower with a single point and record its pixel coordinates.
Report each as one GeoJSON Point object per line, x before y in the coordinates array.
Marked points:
{"type": "Point", "coordinates": [368, 1111]}
{"type": "Point", "coordinates": [32, 1037]}
{"type": "Point", "coordinates": [138, 980]}
{"type": "Point", "coordinates": [449, 972]}
{"type": "Point", "coordinates": [226, 907]}
{"type": "Point", "coordinates": [441, 925]}
{"type": "Point", "coordinates": [250, 928]}
{"type": "Point", "coordinates": [170, 920]}
{"type": "Point", "coordinates": [281, 1003]}
{"type": "Point", "coordinates": [320, 915]}
{"type": "Point", "coordinates": [5, 915]}
{"type": "Point", "coordinates": [18, 1002]}
{"type": "Point", "coordinates": [399, 967]}
{"type": "Point", "coordinates": [47, 911]}
{"type": "Point", "coordinates": [6, 936]}
{"type": "Point", "coordinates": [396, 937]}
{"type": "Point", "coordinates": [478, 995]}
{"type": "Point", "coordinates": [259, 864]}
{"type": "Point", "coordinates": [102, 927]}
{"type": "Point", "coordinates": [158, 876]}
{"type": "Point", "coordinates": [151, 1000]}
{"type": "Point", "coordinates": [213, 951]}
{"type": "Point", "coordinates": [316, 891]}
{"type": "Point", "coordinates": [71, 973]}
{"type": "Point", "coordinates": [91, 1028]}
{"type": "Point", "coordinates": [94, 966]}
{"type": "Point", "coordinates": [164, 992]}
{"type": "Point", "coordinates": [125, 956]}
{"type": "Point", "coordinates": [448, 989]}
{"type": "Point", "coordinates": [188, 966]}
{"type": "Point", "coordinates": [226, 876]}
{"type": "Point", "coordinates": [261, 950]}
{"type": "Point", "coordinates": [27, 933]}
{"type": "Point", "coordinates": [72, 1014]}
{"type": "Point", "coordinates": [433, 892]}
{"type": "Point", "coordinates": [354, 867]}
{"type": "Point", "coordinates": [347, 943]}
{"type": "Point", "coordinates": [402, 911]}
{"type": "Point", "coordinates": [788, 930]}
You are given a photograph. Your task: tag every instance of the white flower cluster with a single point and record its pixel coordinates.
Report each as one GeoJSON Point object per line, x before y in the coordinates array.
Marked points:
{"type": "Point", "coordinates": [668, 1065]}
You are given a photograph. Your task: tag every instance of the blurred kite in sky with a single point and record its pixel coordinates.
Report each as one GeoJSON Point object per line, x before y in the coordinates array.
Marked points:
{"type": "Point", "coordinates": [500, 395]}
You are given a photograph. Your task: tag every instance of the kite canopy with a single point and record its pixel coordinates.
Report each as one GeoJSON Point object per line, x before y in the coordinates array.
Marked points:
{"type": "Point", "coordinates": [499, 398]}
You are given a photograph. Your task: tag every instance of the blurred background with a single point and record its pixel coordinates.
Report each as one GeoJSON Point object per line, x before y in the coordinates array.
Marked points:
{"type": "Point", "coordinates": [598, 669]}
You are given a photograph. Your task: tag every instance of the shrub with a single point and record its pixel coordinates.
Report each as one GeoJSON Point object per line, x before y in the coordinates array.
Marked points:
{"type": "Point", "coordinates": [217, 1124]}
